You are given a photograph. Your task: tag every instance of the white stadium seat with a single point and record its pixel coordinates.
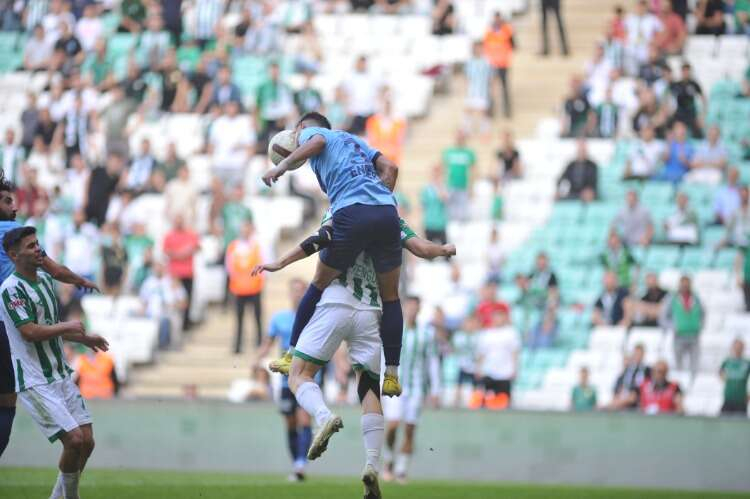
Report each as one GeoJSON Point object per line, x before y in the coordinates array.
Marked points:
{"type": "Point", "coordinates": [607, 339]}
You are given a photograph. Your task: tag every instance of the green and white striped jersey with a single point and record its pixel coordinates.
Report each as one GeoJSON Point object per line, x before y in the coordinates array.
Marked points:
{"type": "Point", "coordinates": [420, 364]}
{"type": "Point", "coordinates": [34, 363]}
{"type": "Point", "coordinates": [358, 286]}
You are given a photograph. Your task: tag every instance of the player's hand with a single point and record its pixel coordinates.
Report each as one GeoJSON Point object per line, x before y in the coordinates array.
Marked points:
{"type": "Point", "coordinates": [75, 327]}
{"type": "Point", "coordinates": [273, 174]}
{"type": "Point", "coordinates": [96, 343]}
{"type": "Point", "coordinates": [87, 285]}
{"type": "Point", "coordinates": [449, 250]}
{"type": "Point", "coordinates": [268, 267]}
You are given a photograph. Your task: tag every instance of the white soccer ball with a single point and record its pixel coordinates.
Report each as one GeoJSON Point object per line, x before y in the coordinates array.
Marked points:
{"type": "Point", "coordinates": [281, 145]}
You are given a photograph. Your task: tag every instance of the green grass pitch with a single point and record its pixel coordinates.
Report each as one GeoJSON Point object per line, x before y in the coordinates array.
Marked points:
{"type": "Point", "coordinates": [28, 483]}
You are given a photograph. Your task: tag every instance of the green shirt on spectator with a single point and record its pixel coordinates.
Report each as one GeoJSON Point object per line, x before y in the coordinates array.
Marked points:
{"type": "Point", "coordinates": [687, 321]}
{"type": "Point", "coordinates": [458, 161]}
{"type": "Point", "coordinates": [433, 207]}
{"type": "Point", "coordinates": [621, 263]}
{"type": "Point", "coordinates": [736, 373]}
{"type": "Point", "coordinates": [233, 215]}
{"type": "Point", "coordinates": [133, 9]}
{"type": "Point", "coordinates": [584, 399]}
{"type": "Point", "coordinates": [741, 6]}
{"type": "Point", "coordinates": [746, 264]}
{"type": "Point", "coordinates": [98, 68]}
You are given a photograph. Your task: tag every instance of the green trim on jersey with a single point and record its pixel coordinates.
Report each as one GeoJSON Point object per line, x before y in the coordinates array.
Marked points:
{"type": "Point", "coordinates": [309, 358]}
{"type": "Point", "coordinates": [406, 231]}
{"type": "Point", "coordinates": [19, 376]}
{"type": "Point", "coordinates": [44, 362]}
{"type": "Point", "coordinates": [56, 436]}
{"type": "Point", "coordinates": [360, 367]}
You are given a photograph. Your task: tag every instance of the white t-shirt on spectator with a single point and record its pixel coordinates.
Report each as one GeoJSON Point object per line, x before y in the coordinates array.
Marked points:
{"type": "Point", "coordinates": [497, 348]}
{"type": "Point", "coordinates": [81, 248]}
{"type": "Point", "coordinates": [88, 31]}
{"type": "Point", "coordinates": [640, 30]}
{"type": "Point", "coordinates": [37, 51]}
{"type": "Point", "coordinates": [76, 185]}
{"type": "Point", "coordinates": [230, 138]}
{"type": "Point", "coordinates": [362, 90]}
{"type": "Point", "coordinates": [646, 157]}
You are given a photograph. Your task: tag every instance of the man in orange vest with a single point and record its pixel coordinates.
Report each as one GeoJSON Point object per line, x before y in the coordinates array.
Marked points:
{"type": "Point", "coordinates": [243, 254]}
{"type": "Point", "coordinates": [498, 47]}
{"type": "Point", "coordinates": [96, 375]}
{"type": "Point", "coordinates": [387, 132]}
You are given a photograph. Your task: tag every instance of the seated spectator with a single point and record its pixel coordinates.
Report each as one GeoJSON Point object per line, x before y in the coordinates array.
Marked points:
{"type": "Point", "coordinates": [141, 166]}
{"type": "Point", "coordinates": [645, 156]}
{"type": "Point", "coordinates": [727, 199]}
{"type": "Point", "coordinates": [232, 141]}
{"type": "Point", "coordinates": [685, 316]}
{"type": "Point", "coordinates": [37, 53]}
{"type": "Point", "coordinates": [489, 303]}
{"type": "Point", "coordinates": [171, 164]}
{"type": "Point", "coordinates": [682, 226]}
{"type": "Point", "coordinates": [154, 42]}
{"type": "Point", "coordinates": [386, 131]}
{"type": "Point", "coordinates": [709, 161]}
{"type": "Point", "coordinates": [164, 299]}
{"type": "Point", "coordinates": [641, 28]}
{"type": "Point", "coordinates": [210, 13]}
{"type": "Point", "coordinates": [709, 16]}
{"type": "Point", "coordinates": [742, 16]}
{"type": "Point", "coordinates": [68, 52]}
{"type": "Point", "coordinates": [651, 113]}
{"type": "Point", "coordinates": [618, 259]}
{"type": "Point", "coordinates": [509, 160]}
{"type": "Point", "coordinates": [738, 227]}
{"type": "Point", "coordinates": [132, 16]}
{"type": "Point", "coordinates": [224, 90]}
{"type": "Point", "coordinates": [647, 310]}
{"type": "Point", "coordinates": [180, 196]}
{"type": "Point", "coordinates": [679, 156]}
{"type": "Point", "coordinates": [633, 223]}
{"type": "Point", "coordinates": [735, 371]}
{"type": "Point", "coordinates": [634, 373]}
{"type": "Point", "coordinates": [544, 333]}
{"type": "Point", "coordinates": [459, 162]}
{"type": "Point", "coordinates": [542, 284]}
{"type": "Point", "coordinates": [90, 27]}
{"type": "Point", "coordinates": [433, 199]}
{"type": "Point", "coordinates": [685, 92]}
{"type": "Point", "coordinates": [579, 181]}
{"type": "Point", "coordinates": [583, 398]}
{"type": "Point", "coordinates": [651, 70]}
{"type": "Point", "coordinates": [609, 308]}
{"type": "Point", "coordinates": [577, 118]}
{"type": "Point", "coordinates": [607, 116]}
{"type": "Point", "coordinates": [497, 349]}
{"type": "Point", "coordinates": [114, 260]}
{"type": "Point", "coordinates": [671, 39]}
{"type": "Point", "coordinates": [658, 395]}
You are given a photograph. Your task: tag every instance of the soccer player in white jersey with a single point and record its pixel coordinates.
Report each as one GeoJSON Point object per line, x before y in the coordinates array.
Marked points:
{"type": "Point", "coordinates": [349, 310]}
{"type": "Point", "coordinates": [420, 367]}
{"type": "Point", "coordinates": [30, 313]}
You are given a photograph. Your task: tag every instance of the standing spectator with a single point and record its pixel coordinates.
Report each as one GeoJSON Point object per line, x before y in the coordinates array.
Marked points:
{"type": "Point", "coordinates": [180, 245]}
{"type": "Point", "coordinates": [579, 181]}
{"type": "Point", "coordinates": [95, 375]}
{"type": "Point", "coordinates": [554, 6]}
{"type": "Point", "coordinates": [685, 93]}
{"type": "Point", "coordinates": [231, 142]}
{"type": "Point", "coordinates": [385, 131]}
{"type": "Point", "coordinates": [577, 111]}
{"type": "Point", "coordinates": [680, 154]}
{"type": "Point", "coordinates": [498, 45]}
{"type": "Point", "coordinates": [141, 167]}
{"type": "Point", "coordinates": [710, 160]}
{"type": "Point", "coordinates": [626, 389]}
{"type": "Point", "coordinates": [208, 15]}
{"type": "Point", "coordinates": [12, 156]}
{"type": "Point", "coordinates": [29, 122]}
{"type": "Point", "coordinates": [308, 98]}
{"type": "Point", "coordinates": [738, 227]}
{"type": "Point", "coordinates": [274, 105]}
{"type": "Point", "coordinates": [102, 184]}
{"type": "Point", "coordinates": [509, 160]}
{"type": "Point", "coordinates": [607, 117]}
{"type": "Point", "coordinates": [81, 247]}
{"type": "Point", "coordinates": [497, 348]}
{"type": "Point", "coordinates": [648, 309]}
{"type": "Point", "coordinates": [180, 196]}
{"type": "Point", "coordinates": [243, 255]}
{"type": "Point", "coordinates": [164, 299]}
{"type": "Point", "coordinates": [742, 16]}
{"type": "Point", "coordinates": [489, 304]}
{"type": "Point", "coordinates": [709, 15]}
{"type": "Point", "coordinates": [671, 39]}
{"type": "Point", "coordinates": [68, 52]}
{"type": "Point", "coordinates": [618, 259]}
{"type": "Point", "coordinates": [684, 313]}
{"type": "Point", "coordinates": [224, 90]}
{"type": "Point", "coordinates": [641, 27]}
{"type": "Point", "coordinates": [458, 162]}
{"type": "Point", "coordinates": [682, 226]}
{"type": "Point", "coordinates": [633, 223]}
{"type": "Point", "coordinates": [658, 395]}
{"type": "Point", "coordinates": [114, 260]}
{"type": "Point", "coordinates": [443, 18]}
{"type": "Point", "coordinates": [89, 28]}
{"type": "Point", "coordinates": [234, 214]}
{"type": "Point", "coordinates": [735, 371]}
{"type": "Point", "coordinates": [361, 89]}
{"type": "Point", "coordinates": [75, 129]}
{"type": "Point", "coordinates": [645, 155]}
{"type": "Point", "coordinates": [583, 398]}
{"type": "Point", "coordinates": [544, 333]}
{"type": "Point", "coordinates": [463, 344]}
{"type": "Point", "coordinates": [652, 69]}
{"type": "Point", "coordinates": [542, 284]}
{"type": "Point", "coordinates": [727, 199]}
{"type": "Point", "coordinates": [37, 54]}
{"type": "Point", "coordinates": [609, 308]}
{"type": "Point", "coordinates": [433, 198]}
{"type": "Point", "coordinates": [478, 91]}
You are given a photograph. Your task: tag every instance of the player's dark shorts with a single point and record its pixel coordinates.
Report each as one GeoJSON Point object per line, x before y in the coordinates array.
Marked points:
{"type": "Point", "coordinates": [7, 380]}
{"type": "Point", "coordinates": [287, 403]}
{"type": "Point", "coordinates": [466, 378]}
{"type": "Point", "coordinates": [497, 386]}
{"type": "Point", "coordinates": [374, 229]}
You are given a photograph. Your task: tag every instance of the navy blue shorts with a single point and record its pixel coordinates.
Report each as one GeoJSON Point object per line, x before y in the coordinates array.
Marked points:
{"type": "Point", "coordinates": [7, 379]}
{"type": "Point", "coordinates": [287, 403]}
{"type": "Point", "coordinates": [374, 229]}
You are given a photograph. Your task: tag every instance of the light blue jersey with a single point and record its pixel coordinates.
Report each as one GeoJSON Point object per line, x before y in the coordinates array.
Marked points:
{"type": "Point", "coordinates": [281, 328]}
{"type": "Point", "coordinates": [6, 265]}
{"type": "Point", "coordinates": [345, 170]}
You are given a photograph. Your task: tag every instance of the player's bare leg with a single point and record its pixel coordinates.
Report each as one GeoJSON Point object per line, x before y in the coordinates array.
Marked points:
{"type": "Point", "coordinates": [388, 452]}
{"type": "Point", "coordinates": [70, 465]}
{"type": "Point", "coordinates": [87, 445]}
{"type": "Point", "coordinates": [407, 449]}
{"type": "Point", "coordinates": [372, 432]}
{"type": "Point", "coordinates": [391, 329]}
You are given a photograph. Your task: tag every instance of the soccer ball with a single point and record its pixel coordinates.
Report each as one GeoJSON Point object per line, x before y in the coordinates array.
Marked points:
{"type": "Point", "coordinates": [281, 145]}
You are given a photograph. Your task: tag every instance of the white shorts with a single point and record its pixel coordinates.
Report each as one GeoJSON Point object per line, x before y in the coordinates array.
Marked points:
{"type": "Point", "coordinates": [406, 408]}
{"type": "Point", "coordinates": [56, 408]}
{"type": "Point", "coordinates": [332, 324]}
{"type": "Point", "coordinates": [477, 103]}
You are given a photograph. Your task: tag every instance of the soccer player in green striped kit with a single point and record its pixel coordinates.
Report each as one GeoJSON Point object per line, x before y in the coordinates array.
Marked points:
{"type": "Point", "coordinates": [31, 315]}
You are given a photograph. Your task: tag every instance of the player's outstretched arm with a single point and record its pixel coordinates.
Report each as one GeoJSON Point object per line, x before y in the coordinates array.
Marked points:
{"type": "Point", "coordinates": [93, 341]}
{"type": "Point", "coordinates": [312, 147]}
{"type": "Point", "coordinates": [387, 171]}
{"type": "Point", "coordinates": [308, 247]}
{"type": "Point", "coordinates": [64, 274]}
{"type": "Point", "coordinates": [295, 254]}
{"type": "Point", "coordinates": [422, 248]}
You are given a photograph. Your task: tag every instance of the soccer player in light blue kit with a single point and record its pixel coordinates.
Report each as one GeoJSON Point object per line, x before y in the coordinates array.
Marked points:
{"type": "Point", "coordinates": [359, 182]}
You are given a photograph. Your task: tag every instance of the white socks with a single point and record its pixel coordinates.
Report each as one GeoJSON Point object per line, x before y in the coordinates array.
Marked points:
{"type": "Point", "coordinates": [310, 398]}
{"type": "Point", "coordinates": [373, 433]}
{"type": "Point", "coordinates": [402, 464]}
{"type": "Point", "coordinates": [57, 492]}
{"type": "Point", "coordinates": [70, 485]}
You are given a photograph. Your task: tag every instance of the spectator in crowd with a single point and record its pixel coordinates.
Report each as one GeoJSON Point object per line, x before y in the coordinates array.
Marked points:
{"type": "Point", "coordinates": [337, 110]}
{"type": "Point", "coordinates": [225, 91]}
{"type": "Point", "coordinates": [274, 105]}
{"type": "Point", "coordinates": [386, 131]}
{"type": "Point", "coordinates": [74, 131]}
{"type": "Point", "coordinates": [234, 214]}
{"type": "Point", "coordinates": [164, 299]}
{"type": "Point", "coordinates": [141, 167]}
{"type": "Point", "coordinates": [597, 73]}
{"type": "Point", "coordinates": [616, 25]}
{"type": "Point", "coordinates": [652, 70]}
{"type": "Point", "coordinates": [139, 247]}
{"type": "Point", "coordinates": [498, 348]}
{"type": "Point", "coordinates": [456, 304]}
{"type": "Point", "coordinates": [646, 311]}
{"type": "Point", "coordinates": [710, 160]}
{"type": "Point", "coordinates": [478, 91]}
{"type": "Point", "coordinates": [618, 259]}
{"type": "Point", "coordinates": [709, 16]}
{"type": "Point", "coordinates": [495, 256]}
{"type": "Point", "coordinates": [671, 39]}
{"type": "Point", "coordinates": [612, 43]}
{"type": "Point", "coordinates": [207, 20]}
{"type": "Point", "coordinates": [509, 160]}
{"type": "Point", "coordinates": [498, 45]}
{"type": "Point", "coordinates": [489, 303]}
{"type": "Point", "coordinates": [606, 117]}
{"type": "Point", "coordinates": [361, 90]}
{"type": "Point", "coordinates": [735, 371]}
{"type": "Point", "coordinates": [544, 333]}
{"type": "Point", "coordinates": [682, 226]}
{"type": "Point", "coordinates": [90, 27]}
{"type": "Point", "coordinates": [433, 199]}
{"type": "Point", "coordinates": [650, 112]}
{"type": "Point", "coordinates": [685, 93]}
{"type": "Point", "coordinates": [81, 247]}
{"type": "Point", "coordinates": [658, 395]}
{"type": "Point", "coordinates": [231, 142]}
{"type": "Point", "coordinates": [579, 181]}
{"type": "Point", "coordinates": [727, 199]}
{"type": "Point", "coordinates": [738, 227]}
{"type": "Point", "coordinates": [577, 118]}
{"type": "Point", "coordinates": [172, 163]}
{"type": "Point", "coordinates": [308, 98]}
{"type": "Point", "coordinates": [180, 196]}
{"type": "Point", "coordinates": [742, 16]}
{"type": "Point", "coordinates": [44, 134]}
{"type": "Point", "coordinates": [12, 156]}
{"type": "Point", "coordinates": [444, 18]}
{"type": "Point", "coordinates": [68, 52]}
{"type": "Point", "coordinates": [645, 156]}
{"type": "Point", "coordinates": [685, 316]}
{"type": "Point", "coordinates": [243, 255]}
{"type": "Point", "coordinates": [641, 28]}
{"type": "Point", "coordinates": [634, 373]}
{"type": "Point", "coordinates": [609, 308]}
{"type": "Point", "coordinates": [114, 259]}
{"type": "Point", "coordinates": [463, 348]}
{"type": "Point", "coordinates": [103, 182]}
{"type": "Point", "coordinates": [543, 284]}
{"type": "Point", "coordinates": [95, 375]}
{"type": "Point", "coordinates": [180, 246]}
{"type": "Point", "coordinates": [553, 6]}
{"type": "Point", "coordinates": [633, 223]}
{"type": "Point", "coordinates": [29, 122]}
{"type": "Point", "coordinates": [679, 156]}
{"type": "Point", "coordinates": [583, 398]}
{"type": "Point", "coordinates": [154, 42]}
{"type": "Point", "coordinates": [132, 16]}
{"type": "Point", "coordinates": [459, 161]}
{"type": "Point", "coordinates": [37, 54]}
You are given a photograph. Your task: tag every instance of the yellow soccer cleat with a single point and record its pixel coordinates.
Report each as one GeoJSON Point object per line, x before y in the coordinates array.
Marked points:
{"type": "Point", "coordinates": [282, 364]}
{"type": "Point", "coordinates": [391, 386]}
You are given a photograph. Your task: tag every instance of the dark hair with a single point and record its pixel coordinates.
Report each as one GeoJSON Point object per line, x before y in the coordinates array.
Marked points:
{"type": "Point", "coordinates": [316, 117]}
{"type": "Point", "coordinates": [6, 185]}
{"type": "Point", "coordinates": [14, 236]}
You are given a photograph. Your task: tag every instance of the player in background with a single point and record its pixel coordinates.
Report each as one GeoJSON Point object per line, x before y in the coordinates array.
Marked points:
{"type": "Point", "coordinates": [57, 271]}
{"type": "Point", "coordinates": [420, 367]}
{"type": "Point", "coordinates": [350, 310]}
{"type": "Point", "coordinates": [298, 431]}
{"type": "Point", "coordinates": [43, 380]}
{"type": "Point", "coordinates": [359, 182]}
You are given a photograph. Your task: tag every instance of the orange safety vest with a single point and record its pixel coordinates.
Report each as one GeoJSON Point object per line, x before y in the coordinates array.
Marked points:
{"type": "Point", "coordinates": [95, 376]}
{"type": "Point", "coordinates": [498, 46]}
{"type": "Point", "coordinates": [242, 257]}
{"type": "Point", "coordinates": [387, 136]}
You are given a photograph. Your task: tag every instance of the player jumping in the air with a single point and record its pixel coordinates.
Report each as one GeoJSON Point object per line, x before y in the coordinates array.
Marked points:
{"type": "Point", "coordinates": [57, 271]}
{"type": "Point", "coordinates": [420, 367]}
{"type": "Point", "coordinates": [359, 182]}
{"type": "Point", "coordinates": [350, 311]}
{"type": "Point", "coordinates": [42, 378]}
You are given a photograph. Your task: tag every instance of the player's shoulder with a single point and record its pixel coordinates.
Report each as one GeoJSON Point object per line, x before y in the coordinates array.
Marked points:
{"type": "Point", "coordinates": [10, 283]}
{"type": "Point", "coordinates": [7, 225]}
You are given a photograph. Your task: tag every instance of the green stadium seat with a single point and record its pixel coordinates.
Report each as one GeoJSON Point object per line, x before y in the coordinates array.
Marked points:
{"type": "Point", "coordinates": [725, 259]}
{"type": "Point", "coordinates": [695, 258]}
{"type": "Point", "coordinates": [661, 257]}
{"type": "Point", "coordinates": [119, 44]}
{"type": "Point", "coordinates": [188, 57]}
